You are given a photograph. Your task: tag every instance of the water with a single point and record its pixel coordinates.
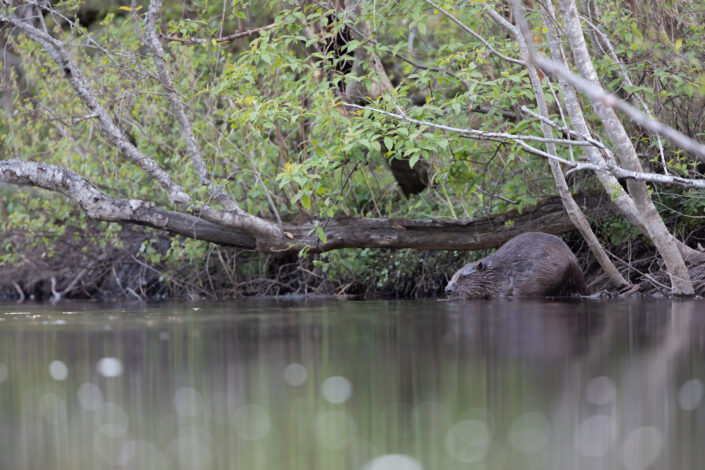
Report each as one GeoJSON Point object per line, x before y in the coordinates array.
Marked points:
{"type": "Point", "coordinates": [379, 385]}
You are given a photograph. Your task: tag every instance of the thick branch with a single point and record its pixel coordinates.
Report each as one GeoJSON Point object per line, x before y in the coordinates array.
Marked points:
{"type": "Point", "coordinates": [100, 206]}
{"type": "Point", "coordinates": [344, 232]}
{"type": "Point", "coordinates": [439, 234]}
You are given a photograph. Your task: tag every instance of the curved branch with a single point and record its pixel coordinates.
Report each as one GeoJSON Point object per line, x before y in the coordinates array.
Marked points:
{"type": "Point", "coordinates": [574, 212]}
{"type": "Point", "coordinates": [100, 206]}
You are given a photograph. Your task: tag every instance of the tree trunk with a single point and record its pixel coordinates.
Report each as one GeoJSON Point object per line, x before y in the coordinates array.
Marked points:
{"type": "Point", "coordinates": [652, 222]}
{"type": "Point", "coordinates": [574, 213]}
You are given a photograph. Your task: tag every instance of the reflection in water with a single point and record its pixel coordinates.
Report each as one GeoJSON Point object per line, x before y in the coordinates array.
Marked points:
{"type": "Point", "coordinates": [359, 385]}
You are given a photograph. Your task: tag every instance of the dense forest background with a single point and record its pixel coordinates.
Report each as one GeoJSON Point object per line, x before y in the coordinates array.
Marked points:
{"type": "Point", "coordinates": [227, 148]}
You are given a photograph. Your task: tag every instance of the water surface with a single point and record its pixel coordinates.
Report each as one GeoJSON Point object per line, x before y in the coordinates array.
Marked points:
{"type": "Point", "coordinates": [379, 385]}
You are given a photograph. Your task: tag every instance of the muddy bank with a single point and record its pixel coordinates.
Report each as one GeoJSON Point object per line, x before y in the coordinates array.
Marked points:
{"type": "Point", "coordinates": [141, 263]}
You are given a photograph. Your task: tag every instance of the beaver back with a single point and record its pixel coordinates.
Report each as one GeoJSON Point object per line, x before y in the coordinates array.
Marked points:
{"type": "Point", "coordinates": [532, 264]}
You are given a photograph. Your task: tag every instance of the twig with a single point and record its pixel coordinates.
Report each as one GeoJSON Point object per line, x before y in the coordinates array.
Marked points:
{"type": "Point", "coordinates": [564, 129]}
{"type": "Point", "coordinates": [231, 37]}
{"type": "Point", "coordinates": [598, 94]}
{"type": "Point", "coordinates": [476, 35]}
{"type": "Point", "coordinates": [480, 135]}
{"type": "Point", "coordinates": [520, 140]}
{"type": "Point", "coordinates": [629, 82]}
{"type": "Point", "coordinates": [56, 295]}
{"type": "Point", "coordinates": [19, 291]}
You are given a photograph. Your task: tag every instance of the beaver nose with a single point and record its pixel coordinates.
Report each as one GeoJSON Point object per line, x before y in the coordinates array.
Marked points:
{"type": "Point", "coordinates": [449, 289]}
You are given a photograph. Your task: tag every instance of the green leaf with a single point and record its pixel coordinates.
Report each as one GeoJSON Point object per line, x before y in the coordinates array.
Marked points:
{"type": "Point", "coordinates": [321, 234]}
{"type": "Point", "coordinates": [414, 158]}
{"type": "Point", "coordinates": [389, 143]}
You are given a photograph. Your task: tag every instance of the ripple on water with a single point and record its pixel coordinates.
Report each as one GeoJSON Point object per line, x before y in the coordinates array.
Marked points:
{"type": "Point", "coordinates": [295, 374]}
{"type": "Point", "coordinates": [393, 462]}
{"type": "Point", "coordinates": [191, 452]}
{"type": "Point", "coordinates": [595, 436]}
{"type": "Point", "coordinates": [109, 367]}
{"type": "Point", "coordinates": [111, 420]}
{"type": "Point", "coordinates": [58, 370]}
{"type": "Point", "coordinates": [690, 394]}
{"type": "Point", "coordinates": [434, 416]}
{"type": "Point", "coordinates": [188, 402]}
{"type": "Point", "coordinates": [251, 422]}
{"type": "Point", "coordinates": [468, 441]}
{"type": "Point", "coordinates": [529, 432]}
{"type": "Point", "coordinates": [600, 391]}
{"type": "Point", "coordinates": [52, 407]}
{"type": "Point", "coordinates": [142, 454]}
{"type": "Point", "coordinates": [641, 448]}
{"type": "Point", "coordinates": [334, 429]}
{"type": "Point", "coordinates": [336, 389]}
{"type": "Point", "coordinates": [90, 397]}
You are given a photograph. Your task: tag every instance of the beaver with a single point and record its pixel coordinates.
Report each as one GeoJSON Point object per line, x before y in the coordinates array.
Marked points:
{"type": "Point", "coordinates": [532, 264]}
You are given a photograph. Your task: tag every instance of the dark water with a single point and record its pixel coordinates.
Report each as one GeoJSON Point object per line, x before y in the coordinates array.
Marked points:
{"type": "Point", "coordinates": [353, 385]}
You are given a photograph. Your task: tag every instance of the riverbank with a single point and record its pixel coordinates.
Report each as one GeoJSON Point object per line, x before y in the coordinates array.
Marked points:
{"type": "Point", "coordinates": [134, 262]}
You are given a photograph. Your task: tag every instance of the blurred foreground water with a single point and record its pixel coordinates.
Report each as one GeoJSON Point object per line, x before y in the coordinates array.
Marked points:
{"type": "Point", "coordinates": [379, 385]}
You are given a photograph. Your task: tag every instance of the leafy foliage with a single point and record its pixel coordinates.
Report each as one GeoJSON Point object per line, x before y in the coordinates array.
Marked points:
{"type": "Point", "coordinates": [268, 114]}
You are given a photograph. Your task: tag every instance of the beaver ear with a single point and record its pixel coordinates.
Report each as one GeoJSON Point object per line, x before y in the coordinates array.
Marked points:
{"type": "Point", "coordinates": [480, 266]}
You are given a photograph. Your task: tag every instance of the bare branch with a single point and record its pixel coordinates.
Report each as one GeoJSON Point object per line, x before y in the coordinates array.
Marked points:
{"type": "Point", "coordinates": [476, 35]}
{"type": "Point", "coordinates": [577, 166]}
{"type": "Point", "coordinates": [576, 215]}
{"type": "Point", "coordinates": [598, 94]}
{"type": "Point", "coordinates": [564, 129]}
{"type": "Point", "coordinates": [233, 215]}
{"type": "Point", "coordinates": [230, 37]}
{"type": "Point", "coordinates": [100, 206]}
{"type": "Point", "coordinates": [622, 144]}
{"type": "Point", "coordinates": [605, 39]}
{"type": "Point", "coordinates": [58, 51]}
{"type": "Point", "coordinates": [177, 106]}
{"type": "Point", "coordinates": [472, 133]}
{"type": "Point", "coordinates": [342, 232]}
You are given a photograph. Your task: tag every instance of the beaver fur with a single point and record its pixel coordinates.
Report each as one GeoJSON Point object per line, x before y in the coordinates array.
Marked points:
{"type": "Point", "coordinates": [532, 264]}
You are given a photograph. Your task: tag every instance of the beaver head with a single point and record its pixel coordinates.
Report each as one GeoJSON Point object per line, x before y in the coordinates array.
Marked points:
{"type": "Point", "coordinates": [478, 280]}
